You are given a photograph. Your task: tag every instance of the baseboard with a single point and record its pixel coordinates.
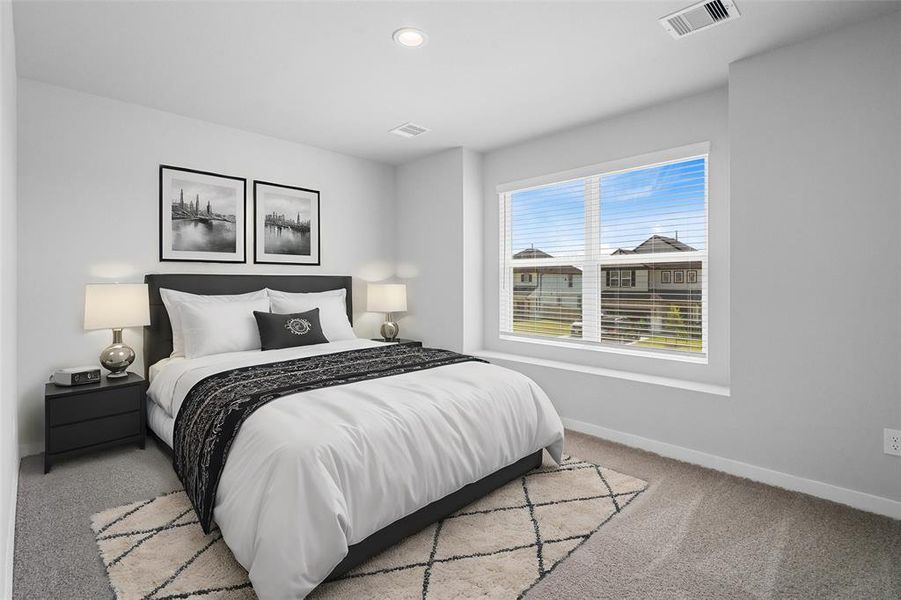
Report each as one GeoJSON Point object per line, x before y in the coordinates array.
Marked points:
{"type": "Point", "coordinates": [852, 498]}
{"type": "Point", "coordinates": [7, 591]}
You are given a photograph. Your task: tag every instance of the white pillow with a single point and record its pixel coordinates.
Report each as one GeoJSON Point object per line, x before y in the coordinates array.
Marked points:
{"type": "Point", "coordinates": [172, 298]}
{"type": "Point", "coordinates": [214, 328]}
{"type": "Point", "coordinates": [332, 307]}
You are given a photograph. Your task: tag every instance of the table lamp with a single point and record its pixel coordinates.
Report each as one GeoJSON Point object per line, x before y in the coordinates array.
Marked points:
{"type": "Point", "coordinates": [114, 306]}
{"type": "Point", "coordinates": [387, 298]}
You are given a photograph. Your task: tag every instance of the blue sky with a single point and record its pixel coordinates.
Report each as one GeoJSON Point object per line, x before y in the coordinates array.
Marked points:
{"type": "Point", "coordinates": [665, 200]}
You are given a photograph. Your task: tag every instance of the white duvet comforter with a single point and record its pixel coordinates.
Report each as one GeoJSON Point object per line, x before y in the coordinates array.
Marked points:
{"type": "Point", "coordinates": [312, 473]}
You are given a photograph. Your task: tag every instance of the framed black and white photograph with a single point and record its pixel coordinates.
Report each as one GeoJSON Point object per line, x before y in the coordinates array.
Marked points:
{"type": "Point", "coordinates": [286, 224]}
{"type": "Point", "coordinates": [202, 216]}
{"type": "Point", "coordinates": [678, 276]}
{"type": "Point", "coordinates": [666, 276]}
{"type": "Point", "coordinates": [692, 276]}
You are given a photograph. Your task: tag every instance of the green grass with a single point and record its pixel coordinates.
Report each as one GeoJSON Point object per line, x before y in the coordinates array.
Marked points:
{"type": "Point", "coordinates": [542, 327]}
{"type": "Point", "coordinates": [665, 343]}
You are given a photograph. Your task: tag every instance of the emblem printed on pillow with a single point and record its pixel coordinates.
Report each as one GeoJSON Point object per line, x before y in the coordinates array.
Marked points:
{"type": "Point", "coordinates": [287, 331]}
{"type": "Point", "coordinates": [298, 326]}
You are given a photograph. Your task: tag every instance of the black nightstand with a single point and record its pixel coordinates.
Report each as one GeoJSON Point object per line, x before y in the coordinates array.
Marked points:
{"type": "Point", "coordinates": [400, 342]}
{"type": "Point", "coordinates": [90, 417]}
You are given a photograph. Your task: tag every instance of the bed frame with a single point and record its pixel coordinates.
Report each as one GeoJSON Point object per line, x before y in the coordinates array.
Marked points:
{"type": "Point", "coordinates": [158, 345]}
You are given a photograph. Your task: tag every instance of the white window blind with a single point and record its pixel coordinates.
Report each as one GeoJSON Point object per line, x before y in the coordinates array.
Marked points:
{"type": "Point", "coordinates": [614, 258]}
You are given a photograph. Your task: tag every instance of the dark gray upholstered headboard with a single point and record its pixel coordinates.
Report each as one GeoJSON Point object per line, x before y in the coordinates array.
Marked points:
{"type": "Point", "coordinates": [158, 335]}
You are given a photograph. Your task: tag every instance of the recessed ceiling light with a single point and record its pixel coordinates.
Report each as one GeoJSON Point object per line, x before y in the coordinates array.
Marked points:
{"type": "Point", "coordinates": [409, 37]}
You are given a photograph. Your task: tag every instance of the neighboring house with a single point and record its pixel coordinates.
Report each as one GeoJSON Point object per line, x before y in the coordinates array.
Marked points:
{"type": "Point", "coordinates": [551, 293]}
{"type": "Point", "coordinates": [637, 299]}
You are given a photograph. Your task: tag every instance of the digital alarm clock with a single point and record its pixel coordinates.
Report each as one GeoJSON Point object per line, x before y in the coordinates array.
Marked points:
{"type": "Point", "coordinates": [76, 376]}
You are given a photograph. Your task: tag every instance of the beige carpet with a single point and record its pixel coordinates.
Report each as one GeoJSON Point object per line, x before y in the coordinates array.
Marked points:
{"type": "Point", "coordinates": [692, 534]}
{"type": "Point", "coordinates": [497, 547]}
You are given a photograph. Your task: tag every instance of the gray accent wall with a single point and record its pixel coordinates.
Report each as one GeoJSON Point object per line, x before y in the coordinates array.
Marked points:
{"type": "Point", "coordinates": [438, 248]}
{"type": "Point", "coordinates": [9, 451]}
{"type": "Point", "coordinates": [805, 277]}
{"type": "Point", "coordinates": [815, 346]}
{"type": "Point", "coordinates": [88, 212]}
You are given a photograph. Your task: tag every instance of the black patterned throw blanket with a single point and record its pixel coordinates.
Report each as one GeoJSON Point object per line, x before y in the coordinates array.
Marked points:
{"type": "Point", "coordinates": [215, 408]}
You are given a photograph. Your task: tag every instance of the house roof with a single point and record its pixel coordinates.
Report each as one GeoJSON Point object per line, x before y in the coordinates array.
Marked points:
{"type": "Point", "coordinates": [532, 253]}
{"type": "Point", "coordinates": [655, 242]}
{"type": "Point", "coordinates": [549, 270]}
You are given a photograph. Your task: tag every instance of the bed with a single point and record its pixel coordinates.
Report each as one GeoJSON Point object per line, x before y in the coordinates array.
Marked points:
{"type": "Point", "coordinates": [317, 482]}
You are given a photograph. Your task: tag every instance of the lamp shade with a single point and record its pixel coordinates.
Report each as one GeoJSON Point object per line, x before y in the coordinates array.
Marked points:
{"type": "Point", "coordinates": [116, 305]}
{"type": "Point", "coordinates": [386, 297]}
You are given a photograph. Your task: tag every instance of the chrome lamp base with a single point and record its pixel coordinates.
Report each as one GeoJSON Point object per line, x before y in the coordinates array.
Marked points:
{"type": "Point", "coordinates": [389, 329]}
{"type": "Point", "coordinates": [117, 357]}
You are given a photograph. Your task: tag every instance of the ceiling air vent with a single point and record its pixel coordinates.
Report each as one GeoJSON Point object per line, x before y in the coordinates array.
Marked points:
{"type": "Point", "coordinates": [409, 130]}
{"type": "Point", "coordinates": [697, 17]}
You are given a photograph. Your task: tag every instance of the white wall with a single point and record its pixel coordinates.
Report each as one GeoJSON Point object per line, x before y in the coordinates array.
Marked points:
{"type": "Point", "coordinates": [88, 212]}
{"type": "Point", "coordinates": [473, 253]}
{"type": "Point", "coordinates": [700, 118]}
{"type": "Point", "coordinates": [9, 451]}
{"type": "Point", "coordinates": [438, 206]}
{"type": "Point", "coordinates": [815, 156]}
{"type": "Point", "coordinates": [813, 137]}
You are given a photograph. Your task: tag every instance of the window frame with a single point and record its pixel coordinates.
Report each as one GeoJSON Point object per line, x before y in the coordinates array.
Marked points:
{"type": "Point", "coordinates": [592, 263]}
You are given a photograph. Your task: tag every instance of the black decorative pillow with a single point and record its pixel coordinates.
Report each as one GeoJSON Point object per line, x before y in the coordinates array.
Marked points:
{"type": "Point", "coordinates": [288, 331]}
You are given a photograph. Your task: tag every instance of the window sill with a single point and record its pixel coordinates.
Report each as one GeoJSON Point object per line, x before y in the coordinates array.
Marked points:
{"type": "Point", "coordinates": [683, 384]}
{"type": "Point", "coordinates": [563, 343]}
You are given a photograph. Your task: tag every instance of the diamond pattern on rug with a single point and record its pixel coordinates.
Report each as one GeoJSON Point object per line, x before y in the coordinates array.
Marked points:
{"type": "Point", "coordinates": [498, 547]}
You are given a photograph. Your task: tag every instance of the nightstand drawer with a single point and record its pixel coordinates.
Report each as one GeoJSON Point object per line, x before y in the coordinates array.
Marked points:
{"type": "Point", "coordinates": [97, 431]}
{"type": "Point", "coordinates": [81, 407]}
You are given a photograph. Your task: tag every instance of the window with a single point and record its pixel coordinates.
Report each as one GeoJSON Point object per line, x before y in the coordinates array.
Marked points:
{"type": "Point", "coordinates": [619, 278]}
{"type": "Point", "coordinates": [619, 253]}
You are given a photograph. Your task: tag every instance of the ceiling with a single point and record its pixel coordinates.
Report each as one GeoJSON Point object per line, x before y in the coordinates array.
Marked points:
{"type": "Point", "coordinates": [328, 73]}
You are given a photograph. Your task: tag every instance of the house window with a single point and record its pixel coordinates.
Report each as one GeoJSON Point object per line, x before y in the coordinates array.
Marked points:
{"type": "Point", "coordinates": [619, 278]}
{"type": "Point", "coordinates": [621, 250]}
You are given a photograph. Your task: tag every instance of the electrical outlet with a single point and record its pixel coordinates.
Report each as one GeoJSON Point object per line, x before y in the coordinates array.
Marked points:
{"type": "Point", "coordinates": [893, 441]}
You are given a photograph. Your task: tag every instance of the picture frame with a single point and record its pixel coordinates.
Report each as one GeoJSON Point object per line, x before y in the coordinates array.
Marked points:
{"type": "Point", "coordinates": [678, 276]}
{"type": "Point", "coordinates": [286, 224]}
{"type": "Point", "coordinates": [202, 216]}
{"type": "Point", "coordinates": [666, 276]}
{"type": "Point", "coordinates": [692, 276]}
